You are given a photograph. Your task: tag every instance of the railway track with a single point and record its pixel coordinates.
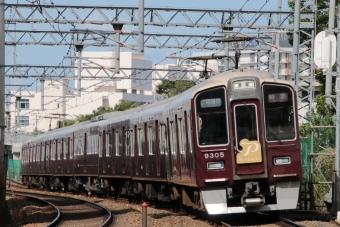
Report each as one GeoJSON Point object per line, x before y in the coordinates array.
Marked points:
{"type": "Point", "coordinates": [128, 210]}
{"type": "Point", "coordinates": [72, 211]}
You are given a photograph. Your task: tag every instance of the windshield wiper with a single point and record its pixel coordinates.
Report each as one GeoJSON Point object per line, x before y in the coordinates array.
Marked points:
{"type": "Point", "coordinates": [273, 134]}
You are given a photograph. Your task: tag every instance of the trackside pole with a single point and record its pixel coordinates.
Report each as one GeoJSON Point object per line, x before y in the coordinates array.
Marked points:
{"type": "Point", "coordinates": [4, 213]}
{"type": "Point", "coordinates": [144, 214]}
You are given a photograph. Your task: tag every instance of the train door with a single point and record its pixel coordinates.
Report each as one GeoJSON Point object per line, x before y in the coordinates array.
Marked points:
{"type": "Point", "coordinates": [66, 151]}
{"type": "Point", "coordinates": [108, 151]}
{"type": "Point", "coordinates": [59, 160]}
{"type": "Point", "coordinates": [183, 148]}
{"type": "Point", "coordinates": [152, 154]}
{"type": "Point", "coordinates": [128, 150]}
{"type": "Point", "coordinates": [43, 157]}
{"type": "Point", "coordinates": [175, 171]}
{"type": "Point", "coordinates": [100, 152]}
{"type": "Point", "coordinates": [140, 165]}
{"type": "Point", "coordinates": [102, 167]}
{"type": "Point", "coordinates": [118, 166]}
{"type": "Point", "coordinates": [247, 137]}
{"type": "Point", "coordinates": [48, 155]}
{"type": "Point", "coordinates": [85, 151]}
{"type": "Point", "coordinates": [70, 164]}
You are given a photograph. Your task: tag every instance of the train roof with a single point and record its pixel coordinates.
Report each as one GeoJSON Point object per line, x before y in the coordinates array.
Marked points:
{"type": "Point", "coordinates": [164, 105]}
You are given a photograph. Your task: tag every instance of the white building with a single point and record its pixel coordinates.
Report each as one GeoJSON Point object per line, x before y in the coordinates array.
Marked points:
{"type": "Point", "coordinates": [60, 100]}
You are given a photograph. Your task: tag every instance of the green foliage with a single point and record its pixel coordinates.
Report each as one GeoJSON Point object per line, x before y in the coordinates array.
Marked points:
{"type": "Point", "coordinates": [121, 106]}
{"type": "Point", "coordinates": [322, 15]}
{"type": "Point", "coordinates": [323, 143]}
{"type": "Point", "coordinates": [125, 105]}
{"type": "Point", "coordinates": [171, 88]}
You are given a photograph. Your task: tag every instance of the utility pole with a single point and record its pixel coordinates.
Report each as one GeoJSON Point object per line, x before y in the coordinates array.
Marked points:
{"type": "Point", "coordinates": [141, 27]}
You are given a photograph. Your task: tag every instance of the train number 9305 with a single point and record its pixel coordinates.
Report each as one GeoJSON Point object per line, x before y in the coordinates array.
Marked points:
{"type": "Point", "coordinates": [214, 155]}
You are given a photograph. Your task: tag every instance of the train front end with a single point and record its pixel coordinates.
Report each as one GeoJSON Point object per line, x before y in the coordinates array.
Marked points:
{"type": "Point", "coordinates": [247, 144]}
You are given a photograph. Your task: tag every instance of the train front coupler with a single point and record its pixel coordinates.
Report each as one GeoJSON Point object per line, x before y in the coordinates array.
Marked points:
{"type": "Point", "coordinates": [252, 196]}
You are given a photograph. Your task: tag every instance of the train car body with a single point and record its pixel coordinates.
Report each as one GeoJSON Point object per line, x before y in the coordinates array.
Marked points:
{"type": "Point", "coordinates": [227, 145]}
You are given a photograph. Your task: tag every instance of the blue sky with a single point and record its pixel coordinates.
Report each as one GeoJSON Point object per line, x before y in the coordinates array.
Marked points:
{"type": "Point", "coordinates": [53, 55]}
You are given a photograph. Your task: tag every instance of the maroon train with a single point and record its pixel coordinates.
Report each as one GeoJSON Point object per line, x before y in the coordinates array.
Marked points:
{"type": "Point", "coordinates": [227, 145]}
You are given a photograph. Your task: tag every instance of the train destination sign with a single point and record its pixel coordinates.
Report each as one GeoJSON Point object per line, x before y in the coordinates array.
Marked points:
{"type": "Point", "coordinates": [205, 103]}
{"type": "Point", "coordinates": [278, 97]}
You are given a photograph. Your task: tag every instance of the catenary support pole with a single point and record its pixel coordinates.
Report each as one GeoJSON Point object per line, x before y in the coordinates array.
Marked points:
{"type": "Point", "coordinates": [277, 43]}
{"type": "Point", "coordinates": [141, 27]}
{"type": "Point", "coordinates": [2, 113]}
{"type": "Point", "coordinates": [296, 41]}
{"type": "Point", "coordinates": [42, 93]}
{"type": "Point", "coordinates": [79, 49]}
{"type": "Point", "coordinates": [336, 187]}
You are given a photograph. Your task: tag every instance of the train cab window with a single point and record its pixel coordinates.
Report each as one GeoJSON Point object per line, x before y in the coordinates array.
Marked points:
{"type": "Point", "coordinates": [65, 144]}
{"type": "Point", "coordinates": [163, 141]}
{"type": "Point", "coordinates": [118, 143]}
{"type": "Point", "coordinates": [151, 140]}
{"type": "Point", "coordinates": [211, 117]}
{"type": "Point", "coordinates": [140, 141]}
{"type": "Point", "coordinates": [279, 112]}
{"type": "Point", "coordinates": [182, 135]}
{"type": "Point", "coordinates": [108, 144]}
{"type": "Point", "coordinates": [59, 149]}
{"type": "Point", "coordinates": [245, 123]}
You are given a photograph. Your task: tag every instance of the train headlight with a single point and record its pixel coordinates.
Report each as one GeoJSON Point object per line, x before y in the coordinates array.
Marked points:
{"type": "Point", "coordinates": [215, 165]}
{"type": "Point", "coordinates": [243, 84]}
{"type": "Point", "coordinates": [282, 161]}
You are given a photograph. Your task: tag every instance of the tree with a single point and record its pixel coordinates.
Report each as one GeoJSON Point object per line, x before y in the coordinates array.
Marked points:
{"type": "Point", "coordinates": [322, 15]}
{"type": "Point", "coordinates": [126, 104]}
{"type": "Point", "coordinates": [120, 106]}
{"type": "Point", "coordinates": [171, 88]}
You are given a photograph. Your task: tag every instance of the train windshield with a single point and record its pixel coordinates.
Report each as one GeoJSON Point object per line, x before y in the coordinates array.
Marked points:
{"type": "Point", "coordinates": [279, 112]}
{"type": "Point", "coordinates": [211, 117]}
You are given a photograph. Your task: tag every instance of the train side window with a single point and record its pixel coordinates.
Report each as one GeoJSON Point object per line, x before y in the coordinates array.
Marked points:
{"type": "Point", "coordinates": [173, 142]}
{"type": "Point", "coordinates": [132, 143]}
{"type": "Point", "coordinates": [81, 145]}
{"type": "Point", "coordinates": [47, 151]}
{"type": "Point", "coordinates": [182, 136]}
{"type": "Point", "coordinates": [108, 144]}
{"type": "Point", "coordinates": [43, 152]}
{"type": "Point", "coordinates": [118, 143]}
{"type": "Point", "coordinates": [100, 141]}
{"type": "Point", "coordinates": [59, 148]}
{"type": "Point", "coordinates": [65, 150]}
{"type": "Point", "coordinates": [127, 143]}
{"type": "Point", "coordinates": [53, 151]}
{"type": "Point", "coordinates": [95, 144]}
{"type": "Point", "coordinates": [140, 141]}
{"type": "Point", "coordinates": [211, 117]}
{"type": "Point", "coordinates": [163, 140]}
{"type": "Point", "coordinates": [88, 144]}
{"type": "Point", "coordinates": [71, 148]}
{"type": "Point", "coordinates": [151, 140]}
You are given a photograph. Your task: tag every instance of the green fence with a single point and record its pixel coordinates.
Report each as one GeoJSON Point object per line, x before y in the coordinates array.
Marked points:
{"type": "Point", "coordinates": [14, 168]}
{"type": "Point", "coordinates": [305, 160]}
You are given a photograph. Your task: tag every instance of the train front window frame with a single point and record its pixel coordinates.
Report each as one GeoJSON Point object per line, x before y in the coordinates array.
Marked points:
{"type": "Point", "coordinates": [211, 117]}
{"type": "Point", "coordinates": [246, 123]}
{"type": "Point", "coordinates": [279, 112]}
